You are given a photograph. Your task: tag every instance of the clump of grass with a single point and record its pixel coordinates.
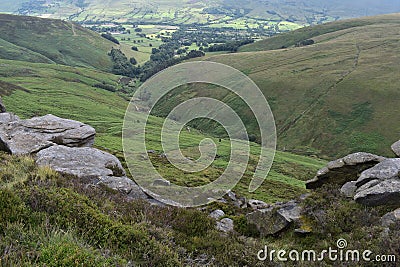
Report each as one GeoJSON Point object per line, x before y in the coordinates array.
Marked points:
{"type": "Point", "coordinates": [15, 170]}
{"type": "Point", "coordinates": [63, 249]}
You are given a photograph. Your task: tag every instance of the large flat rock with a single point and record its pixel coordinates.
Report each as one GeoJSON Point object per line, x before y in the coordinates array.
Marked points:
{"type": "Point", "coordinates": [385, 193]}
{"type": "Point", "coordinates": [380, 185]}
{"type": "Point", "coordinates": [22, 137]}
{"type": "Point", "coordinates": [90, 163]}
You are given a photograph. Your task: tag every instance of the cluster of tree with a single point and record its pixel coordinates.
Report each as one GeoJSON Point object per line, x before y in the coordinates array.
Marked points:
{"type": "Point", "coordinates": [153, 67]}
{"type": "Point", "coordinates": [133, 61]}
{"type": "Point", "coordinates": [232, 46]}
{"type": "Point", "coordinates": [164, 57]}
{"type": "Point", "coordinates": [121, 64]}
{"type": "Point", "coordinates": [161, 59]}
{"type": "Point", "coordinates": [110, 37]}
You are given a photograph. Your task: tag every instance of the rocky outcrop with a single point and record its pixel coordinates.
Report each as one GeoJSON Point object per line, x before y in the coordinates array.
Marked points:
{"type": "Point", "coordinates": [344, 170]}
{"type": "Point", "coordinates": [387, 169]}
{"type": "Point", "coordinates": [81, 162]}
{"type": "Point", "coordinates": [349, 189]}
{"type": "Point", "coordinates": [276, 218]}
{"type": "Point", "coordinates": [90, 163]}
{"type": "Point", "coordinates": [66, 147]}
{"type": "Point", "coordinates": [396, 148]}
{"type": "Point", "coordinates": [377, 193]}
{"type": "Point", "coordinates": [379, 185]}
{"type": "Point", "coordinates": [369, 179]}
{"type": "Point", "coordinates": [21, 137]}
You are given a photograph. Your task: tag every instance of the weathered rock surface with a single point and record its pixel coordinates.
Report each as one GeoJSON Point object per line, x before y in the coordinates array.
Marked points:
{"type": "Point", "coordinates": [273, 220]}
{"type": "Point", "coordinates": [386, 193]}
{"type": "Point", "coordinates": [225, 225]}
{"type": "Point", "coordinates": [257, 204]}
{"type": "Point", "coordinates": [344, 170]}
{"type": "Point", "coordinates": [65, 146]}
{"type": "Point", "coordinates": [125, 186]}
{"type": "Point", "coordinates": [349, 189]}
{"type": "Point", "coordinates": [387, 169]}
{"type": "Point", "coordinates": [22, 137]}
{"type": "Point", "coordinates": [267, 221]}
{"type": "Point", "coordinates": [380, 185]}
{"type": "Point", "coordinates": [92, 164]}
{"type": "Point", "coordinates": [396, 148]}
{"type": "Point", "coordinates": [391, 218]}
{"type": "Point", "coordinates": [217, 214]}
{"type": "Point", "coordinates": [81, 162]}
{"type": "Point", "coordinates": [238, 202]}
{"type": "Point", "coordinates": [291, 211]}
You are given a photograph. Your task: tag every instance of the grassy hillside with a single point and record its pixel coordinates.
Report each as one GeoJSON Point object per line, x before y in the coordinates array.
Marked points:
{"type": "Point", "coordinates": [37, 89]}
{"type": "Point", "coordinates": [291, 38]}
{"type": "Point", "coordinates": [52, 220]}
{"type": "Point", "coordinates": [337, 96]}
{"type": "Point", "coordinates": [52, 41]}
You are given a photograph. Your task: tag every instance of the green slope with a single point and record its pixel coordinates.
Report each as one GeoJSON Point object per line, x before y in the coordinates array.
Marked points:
{"type": "Point", "coordinates": [43, 40]}
{"type": "Point", "coordinates": [37, 89]}
{"type": "Point", "coordinates": [338, 96]}
{"type": "Point", "coordinates": [291, 38]}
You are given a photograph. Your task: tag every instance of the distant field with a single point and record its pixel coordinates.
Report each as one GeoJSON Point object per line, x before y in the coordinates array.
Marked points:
{"type": "Point", "coordinates": [30, 89]}
{"type": "Point", "coordinates": [144, 44]}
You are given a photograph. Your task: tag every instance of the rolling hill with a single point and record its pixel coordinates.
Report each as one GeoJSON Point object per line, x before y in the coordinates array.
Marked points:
{"type": "Point", "coordinates": [336, 96]}
{"type": "Point", "coordinates": [52, 41]}
{"type": "Point", "coordinates": [339, 94]}
{"type": "Point", "coordinates": [31, 84]}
